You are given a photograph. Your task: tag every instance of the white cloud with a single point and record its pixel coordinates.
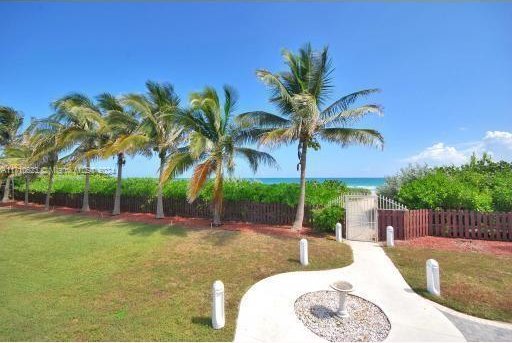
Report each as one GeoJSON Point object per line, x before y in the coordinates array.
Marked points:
{"type": "Point", "coordinates": [438, 154]}
{"type": "Point", "coordinates": [496, 143]}
{"type": "Point", "coordinates": [502, 138]}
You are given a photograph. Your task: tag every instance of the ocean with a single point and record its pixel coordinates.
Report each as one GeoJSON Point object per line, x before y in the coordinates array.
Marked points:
{"type": "Point", "coordinates": [361, 182]}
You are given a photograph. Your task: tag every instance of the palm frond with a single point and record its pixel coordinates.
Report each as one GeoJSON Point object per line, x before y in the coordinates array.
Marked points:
{"type": "Point", "coordinates": [255, 158]}
{"type": "Point", "coordinates": [249, 135]}
{"type": "Point", "coordinates": [294, 79]}
{"type": "Point", "coordinates": [351, 115]}
{"type": "Point", "coordinates": [230, 104]}
{"type": "Point", "coordinates": [261, 119]}
{"type": "Point", "coordinates": [320, 76]}
{"type": "Point", "coordinates": [277, 137]}
{"type": "Point", "coordinates": [344, 103]}
{"type": "Point", "coordinates": [201, 173]}
{"type": "Point", "coordinates": [10, 122]}
{"type": "Point", "coordinates": [121, 122]}
{"type": "Point", "coordinates": [349, 136]}
{"type": "Point", "coordinates": [198, 144]}
{"type": "Point", "coordinates": [177, 164]}
{"type": "Point", "coordinates": [138, 103]}
{"type": "Point", "coordinates": [280, 92]}
{"type": "Point", "coordinates": [69, 137]}
{"type": "Point", "coordinates": [130, 144]}
{"type": "Point", "coordinates": [109, 102]}
{"type": "Point", "coordinates": [87, 115]}
{"type": "Point", "coordinates": [162, 94]}
{"type": "Point", "coordinates": [208, 104]}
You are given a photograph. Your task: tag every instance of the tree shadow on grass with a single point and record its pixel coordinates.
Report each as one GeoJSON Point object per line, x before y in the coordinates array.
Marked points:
{"type": "Point", "coordinates": [221, 237]}
{"type": "Point", "coordinates": [17, 213]}
{"type": "Point", "coordinates": [81, 221]}
{"type": "Point", "coordinates": [146, 230]}
{"type": "Point", "coordinates": [75, 221]}
{"type": "Point", "coordinates": [56, 218]}
{"type": "Point", "coordinates": [203, 321]}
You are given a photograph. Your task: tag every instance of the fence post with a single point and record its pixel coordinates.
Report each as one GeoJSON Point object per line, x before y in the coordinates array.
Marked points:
{"type": "Point", "coordinates": [339, 237]}
{"type": "Point", "coordinates": [218, 315]}
{"type": "Point", "coordinates": [433, 281]}
{"type": "Point", "coordinates": [304, 252]}
{"type": "Point", "coordinates": [390, 236]}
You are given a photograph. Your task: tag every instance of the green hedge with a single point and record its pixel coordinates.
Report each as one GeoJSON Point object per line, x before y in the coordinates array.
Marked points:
{"type": "Point", "coordinates": [325, 219]}
{"type": "Point", "coordinates": [481, 185]}
{"type": "Point", "coordinates": [317, 193]}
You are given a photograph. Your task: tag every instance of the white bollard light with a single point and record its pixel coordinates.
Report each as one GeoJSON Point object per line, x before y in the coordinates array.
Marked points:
{"type": "Point", "coordinates": [339, 237]}
{"type": "Point", "coordinates": [390, 236]}
{"type": "Point", "coordinates": [433, 281]}
{"type": "Point", "coordinates": [304, 252]}
{"type": "Point", "coordinates": [218, 315]}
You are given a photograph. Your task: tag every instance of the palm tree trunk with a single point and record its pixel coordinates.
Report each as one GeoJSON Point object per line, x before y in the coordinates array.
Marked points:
{"type": "Point", "coordinates": [117, 199]}
{"type": "Point", "coordinates": [218, 196]}
{"type": "Point", "coordinates": [299, 216]}
{"type": "Point", "coordinates": [12, 183]}
{"type": "Point", "coordinates": [7, 188]}
{"type": "Point", "coordinates": [26, 189]}
{"type": "Point", "coordinates": [50, 186]}
{"type": "Point", "coordinates": [159, 200]}
{"type": "Point", "coordinates": [85, 204]}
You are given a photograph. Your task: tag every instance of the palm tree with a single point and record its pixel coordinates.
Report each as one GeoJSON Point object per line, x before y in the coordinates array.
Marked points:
{"type": "Point", "coordinates": [157, 108]}
{"type": "Point", "coordinates": [19, 153]}
{"type": "Point", "coordinates": [123, 126]}
{"type": "Point", "coordinates": [10, 123]}
{"type": "Point", "coordinates": [44, 135]}
{"type": "Point", "coordinates": [9, 165]}
{"type": "Point", "coordinates": [300, 94]}
{"type": "Point", "coordinates": [84, 133]}
{"type": "Point", "coordinates": [214, 142]}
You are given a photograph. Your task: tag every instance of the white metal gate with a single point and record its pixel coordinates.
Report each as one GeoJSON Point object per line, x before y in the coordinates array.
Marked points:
{"type": "Point", "coordinates": [361, 217]}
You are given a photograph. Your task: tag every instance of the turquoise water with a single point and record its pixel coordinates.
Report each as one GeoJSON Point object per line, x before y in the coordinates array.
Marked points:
{"type": "Point", "coordinates": [363, 182]}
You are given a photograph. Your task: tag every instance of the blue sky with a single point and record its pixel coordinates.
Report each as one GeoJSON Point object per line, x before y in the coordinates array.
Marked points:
{"type": "Point", "coordinates": [445, 70]}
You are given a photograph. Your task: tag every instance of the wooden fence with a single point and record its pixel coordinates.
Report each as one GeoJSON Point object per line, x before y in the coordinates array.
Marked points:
{"type": "Point", "coordinates": [495, 226]}
{"type": "Point", "coordinates": [408, 224]}
{"type": "Point", "coordinates": [391, 218]}
{"type": "Point", "coordinates": [446, 223]}
{"type": "Point", "coordinates": [245, 211]}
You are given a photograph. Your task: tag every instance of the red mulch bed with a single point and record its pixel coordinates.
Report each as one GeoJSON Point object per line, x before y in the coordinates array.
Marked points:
{"type": "Point", "coordinates": [190, 223]}
{"type": "Point", "coordinates": [460, 245]}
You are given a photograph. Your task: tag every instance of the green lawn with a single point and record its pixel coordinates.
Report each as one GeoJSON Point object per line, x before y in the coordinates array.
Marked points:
{"type": "Point", "coordinates": [76, 278]}
{"type": "Point", "coordinates": [479, 284]}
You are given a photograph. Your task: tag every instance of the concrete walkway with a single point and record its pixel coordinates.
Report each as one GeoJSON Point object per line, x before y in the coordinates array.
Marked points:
{"type": "Point", "coordinates": [477, 329]}
{"type": "Point", "coordinates": [267, 309]}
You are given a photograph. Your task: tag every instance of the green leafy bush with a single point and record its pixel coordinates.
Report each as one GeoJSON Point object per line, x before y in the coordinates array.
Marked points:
{"type": "Point", "coordinates": [502, 193]}
{"type": "Point", "coordinates": [325, 219]}
{"type": "Point", "coordinates": [317, 193]}
{"type": "Point", "coordinates": [392, 184]}
{"type": "Point", "coordinates": [480, 185]}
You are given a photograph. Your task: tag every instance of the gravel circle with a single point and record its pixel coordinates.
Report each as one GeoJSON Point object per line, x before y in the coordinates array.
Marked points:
{"type": "Point", "coordinates": [367, 322]}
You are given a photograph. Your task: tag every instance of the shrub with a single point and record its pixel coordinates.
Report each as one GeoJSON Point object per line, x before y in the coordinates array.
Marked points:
{"type": "Point", "coordinates": [317, 193]}
{"type": "Point", "coordinates": [392, 184]}
{"type": "Point", "coordinates": [480, 185]}
{"type": "Point", "coordinates": [325, 219]}
{"type": "Point", "coordinates": [502, 193]}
